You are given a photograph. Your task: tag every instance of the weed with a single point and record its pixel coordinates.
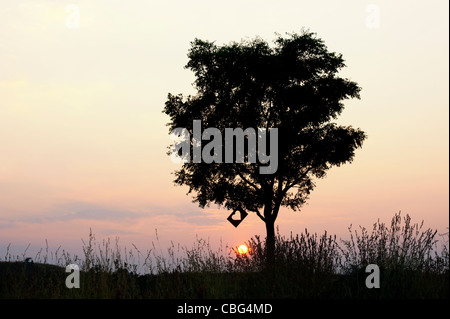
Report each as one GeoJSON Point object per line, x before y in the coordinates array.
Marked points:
{"type": "Point", "coordinates": [306, 265]}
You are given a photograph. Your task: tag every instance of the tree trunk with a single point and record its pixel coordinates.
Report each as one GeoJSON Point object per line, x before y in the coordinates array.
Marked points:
{"type": "Point", "coordinates": [270, 241]}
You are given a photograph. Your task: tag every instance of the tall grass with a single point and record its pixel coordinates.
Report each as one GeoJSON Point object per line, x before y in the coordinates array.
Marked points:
{"type": "Point", "coordinates": [410, 260]}
{"type": "Point", "coordinates": [398, 246]}
{"type": "Point", "coordinates": [412, 265]}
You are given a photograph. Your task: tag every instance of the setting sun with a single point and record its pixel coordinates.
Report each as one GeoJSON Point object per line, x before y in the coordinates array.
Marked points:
{"type": "Point", "coordinates": [243, 249]}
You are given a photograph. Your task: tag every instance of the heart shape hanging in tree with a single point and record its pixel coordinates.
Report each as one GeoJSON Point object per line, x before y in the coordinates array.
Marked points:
{"type": "Point", "coordinates": [236, 218]}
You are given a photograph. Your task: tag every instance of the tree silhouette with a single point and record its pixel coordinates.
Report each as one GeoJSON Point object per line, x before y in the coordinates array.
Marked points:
{"type": "Point", "coordinates": [292, 86]}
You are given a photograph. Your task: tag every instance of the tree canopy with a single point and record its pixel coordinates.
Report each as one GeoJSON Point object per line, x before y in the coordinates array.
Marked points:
{"type": "Point", "coordinates": [292, 85]}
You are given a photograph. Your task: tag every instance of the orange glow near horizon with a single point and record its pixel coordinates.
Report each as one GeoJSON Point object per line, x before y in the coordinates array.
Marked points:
{"type": "Point", "coordinates": [83, 139]}
{"type": "Point", "coordinates": [243, 249]}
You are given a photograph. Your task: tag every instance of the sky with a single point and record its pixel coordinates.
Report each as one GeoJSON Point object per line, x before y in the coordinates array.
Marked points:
{"type": "Point", "coordinates": [83, 139]}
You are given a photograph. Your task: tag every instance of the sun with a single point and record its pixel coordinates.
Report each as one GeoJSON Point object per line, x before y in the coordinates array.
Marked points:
{"type": "Point", "coordinates": [243, 249]}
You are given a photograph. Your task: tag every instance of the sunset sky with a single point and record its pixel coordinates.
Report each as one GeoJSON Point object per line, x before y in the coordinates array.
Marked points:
{"type": "Point", "coordinates": [83, 139]}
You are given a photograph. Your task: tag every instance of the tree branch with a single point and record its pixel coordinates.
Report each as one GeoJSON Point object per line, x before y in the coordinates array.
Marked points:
{"type": "Point", "coordinates": [259, 214]}
{"type": "Point", "coordinates": [252, 210]}
{"type": "Point", "coordinates": [297, 180]}
{"type": "Point", "coordinates": [248, 182]}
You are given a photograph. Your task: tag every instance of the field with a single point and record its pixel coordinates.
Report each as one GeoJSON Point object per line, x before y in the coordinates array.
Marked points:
{"type": "Point", "coordinates": [413, 264]}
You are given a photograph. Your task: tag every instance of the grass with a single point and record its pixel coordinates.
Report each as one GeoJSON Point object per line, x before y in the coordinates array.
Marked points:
{"type": "Point", "coordinates": [412, 265]}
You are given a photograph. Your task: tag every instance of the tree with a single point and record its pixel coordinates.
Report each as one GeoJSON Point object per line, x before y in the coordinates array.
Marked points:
{"type": "Point", "coordinates": [292, 86]}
